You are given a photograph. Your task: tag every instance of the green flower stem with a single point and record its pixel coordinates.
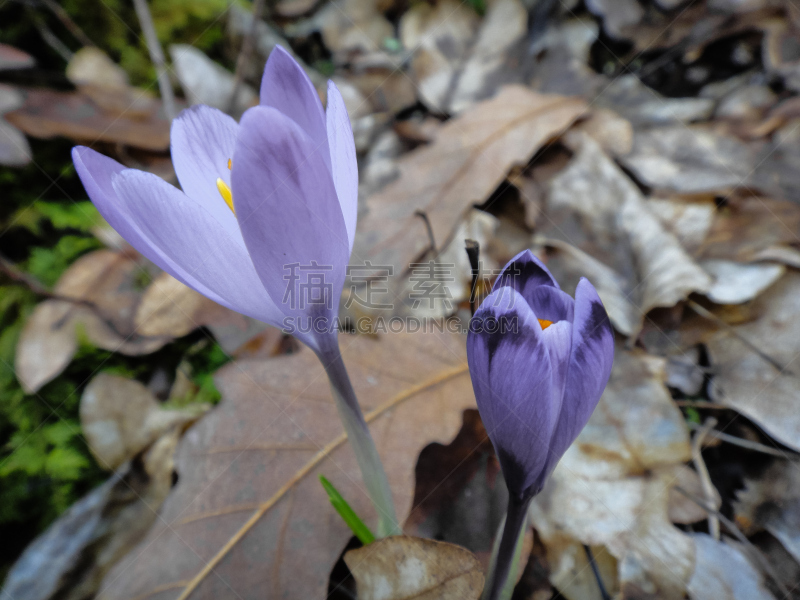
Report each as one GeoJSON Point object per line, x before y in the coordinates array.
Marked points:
{"type": "Point", "coordinates": [505, 557]}
{"type": "Point", "coordinates": [372, 471]}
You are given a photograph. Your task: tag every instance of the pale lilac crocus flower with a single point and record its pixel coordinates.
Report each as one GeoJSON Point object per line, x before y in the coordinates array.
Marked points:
{"type": "Point", "coordinates": [539, 362]}
{"type": "Point", "coordinates": [263, 224]}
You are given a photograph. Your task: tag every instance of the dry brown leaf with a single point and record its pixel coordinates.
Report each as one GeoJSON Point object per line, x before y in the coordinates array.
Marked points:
{"type": "Point", "coordinates": [120, 417]}
{"type": "Point", "coordinates": [485, 68]}
{"type": "Point", "coordinates": [403, 567]}
{"type": "Point", "coordinates": [262, 449]}
{"type": "Point", "coordinates": [752, 228]}
{"type": "Point", "coordinates": [570, 571]}
{"type": "Point", "coordinates": [103, 278]}
{"type": "Point", "coordinates": [611, 488]}
{"type": "Point", "coordinates": [689, 221]}
{"type": "Point", "coordinates": [771, 502]}
{"type": "Point", "coordinates": [49, 113]}
{"type": "Point", "coordinates": [607, 128]}
{"type": "Point", "coordinates": [352, 26]}
{"type": "Point", "coordinates": [206, 82]}
{"type": "Point", "coordinates": [722, 572]}
{"type": "Point", "coordinates": [168, 308]}
{"type": "Point", "coordinates": [752, 385]}
{"type": "Point", "coordinates": [619, 16]}
{"type": "Point", "coordinates": [14, 58]}
{"type": "Point", "coordinates": [689, 159]}
{"type": "Point", "coordinates": [440, 36]}
{"type": "Point", "coordinates": [470, 156]}
{"type": "Point", "coordinates": [593, 205]}
{"type": "Point", "coordinates": [735, 283]}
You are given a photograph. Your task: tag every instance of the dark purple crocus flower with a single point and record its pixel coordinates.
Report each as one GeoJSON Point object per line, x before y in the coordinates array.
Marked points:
{"type": "Point", "coordinates": [539, 362]}
{"type": "Point", "coordinates": [263, 224]}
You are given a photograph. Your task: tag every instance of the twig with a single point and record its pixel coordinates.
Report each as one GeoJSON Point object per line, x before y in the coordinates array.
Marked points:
{"type": "Point", "coordinates": [704, 404]}
{"type": "Point", "coordinates": [421, 214]}
{"type": "Point", "coordinates": [67, 21]}
{"type": "Point", "coordinates": [707, 314]}
{"type": "Point", "coordinates": [702, 471]}
{"type": "Point", "coordinates": [248, 45]}
{"type": "Point", "coordinates": [157, 56]}
{"type": "Point", "coordinates": [10, 271]}
{"type": "Point", "coordinates": [731, 527]}
{"type": "Point", "coordinates": [603, 591]}
{"type": "Point", "coordinates": [473, 249]}
{"type": "Point", "coordinates": [737, 441]}
{"type": "Point", "coordinates": [49, 37]}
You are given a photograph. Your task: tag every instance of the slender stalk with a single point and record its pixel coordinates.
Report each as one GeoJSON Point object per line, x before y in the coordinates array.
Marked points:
{"type": "Point", "coordinates": [500, 570]}
{"type": "Point", "coordinates": [361, 440]}
{"type": "Point", "coordinates": [157, 56]}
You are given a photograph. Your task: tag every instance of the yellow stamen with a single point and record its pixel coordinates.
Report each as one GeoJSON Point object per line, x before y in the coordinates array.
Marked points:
{"type": "Point", "coordinates": [225, 192]}
{"type": "Point", "coordinates": [229, 164]}
{"type": "Point", "coordinates": [543, 322]}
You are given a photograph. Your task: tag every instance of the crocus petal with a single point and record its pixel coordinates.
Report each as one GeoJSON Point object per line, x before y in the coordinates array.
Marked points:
{"type": "Point", "coordinates": [511, 376]}
{"type": "Point", "coordinates": [557, 338]}
{"type": "Point", "coordinates": [202, 142]}
{"type": "Point", "coordinates": [589, 368]}
{"type": "Point", "coordinates": [525, 273]}
{"type": "Point", "coordinates": [194, 241]}
{"type": "Point", "coordinates": [96, 173]}
{"type": "Point", "coordinates": [287, 206]}
{"type": "Point", "coordinates": [343, 159]}
{"type": "Point", "coordinates": [551, 304]}
{"type": "Point", "coordinates": [286, 87]}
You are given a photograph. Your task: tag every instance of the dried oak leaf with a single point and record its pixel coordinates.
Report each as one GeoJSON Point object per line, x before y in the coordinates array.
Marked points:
{"type": "Point", "coordinates": [102, 290]}
{"type": "Point", "coordinates": [470, 156]}
{"type": "Point", "coordinates": [747, 381]}
{"type": "Point", "coordinates": [615, 239]}
{"type": "Point", "coordinates": [612, 487]}
{"type": "Point", "coordinates": [403, 567]}
{"type": "Point", "coordinates": [248, 471]}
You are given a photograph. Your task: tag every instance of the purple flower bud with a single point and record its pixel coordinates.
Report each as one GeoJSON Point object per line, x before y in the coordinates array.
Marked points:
{"type": "Point", "coordinates": [260, 201]}
{"type": "Point", "coordinates": [539, 362]}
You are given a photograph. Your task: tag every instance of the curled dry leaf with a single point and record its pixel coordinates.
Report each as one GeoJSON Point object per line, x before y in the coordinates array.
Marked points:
{"type": "Point", "coordinates": [248, 471]}
{"type": "Point", "coordinates": [106, 281]}
{"type": "Point", "coordinates": [747, 382]}
{"type": "Point", "coordinates": [612, 486]}
{"type": "Point", "coordinates": [722, 572]}
{"type": "Point", "coordinates": [593, 205]}
{"type": "Point", "coordinates": [470, 156]}
{"type": "Point", "coordinates": [403, 567]}
{"type": "Point", "coordinates": [120, 418]}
